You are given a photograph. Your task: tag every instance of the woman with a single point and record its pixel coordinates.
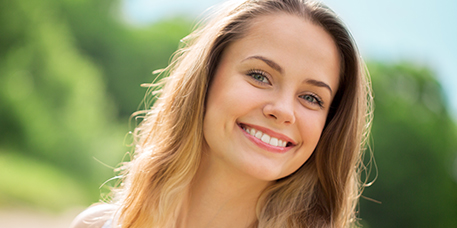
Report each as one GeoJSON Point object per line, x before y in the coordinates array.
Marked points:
{"type": "Point", "coordinates": [260, 123]}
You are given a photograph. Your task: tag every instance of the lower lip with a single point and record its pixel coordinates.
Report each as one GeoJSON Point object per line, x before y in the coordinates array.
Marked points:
{"type": "Point", "coordinates": [265, 146]}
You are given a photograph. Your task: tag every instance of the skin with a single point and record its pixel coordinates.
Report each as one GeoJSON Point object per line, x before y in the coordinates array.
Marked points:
{"type": "Point", "coordinates": [280, 78]}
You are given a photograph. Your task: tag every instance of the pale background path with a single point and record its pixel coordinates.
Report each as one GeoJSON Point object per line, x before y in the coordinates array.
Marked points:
{"type": "Point", "coordinates": [28, 218]}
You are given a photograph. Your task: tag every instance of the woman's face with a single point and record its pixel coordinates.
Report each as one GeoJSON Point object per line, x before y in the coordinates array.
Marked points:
{"type": "Point", "coordinates": [269, 98]}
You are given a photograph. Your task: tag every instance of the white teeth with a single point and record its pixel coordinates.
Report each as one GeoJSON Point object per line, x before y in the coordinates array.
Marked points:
{"type": "Point", "coordinates": [265, 138]}
{"type": "Point", "coordinates": [274, 141]}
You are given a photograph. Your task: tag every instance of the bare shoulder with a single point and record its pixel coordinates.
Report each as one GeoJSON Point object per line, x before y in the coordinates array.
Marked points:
{"type": "Point", "coordinates": [94, 216]}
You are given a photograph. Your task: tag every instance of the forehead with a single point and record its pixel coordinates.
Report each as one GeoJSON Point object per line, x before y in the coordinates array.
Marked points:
{"type": "Point", "coordinates": [299, 46]}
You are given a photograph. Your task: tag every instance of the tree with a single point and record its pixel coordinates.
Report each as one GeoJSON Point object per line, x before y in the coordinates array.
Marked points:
{"type": "Point", "coordinates": [70, 75]}
{"type": "Point", "coordinates": [54, 113]}
{"type": "Point", "coordinates": [414, 146]}
{"type": "Point", "coordinates": [126, 54]}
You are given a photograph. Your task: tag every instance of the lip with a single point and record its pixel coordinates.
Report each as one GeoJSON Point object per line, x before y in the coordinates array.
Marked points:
{"type": "Point", "coordinates": [266, 146]}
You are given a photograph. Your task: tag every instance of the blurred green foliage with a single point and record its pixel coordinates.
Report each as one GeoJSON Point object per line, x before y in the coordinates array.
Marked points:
{"type": "Point", "coordinates": [54, 108]}
{"type": "Point", "coordinates": [415, 147]}
{"type": "Point", "coordinates": [70, 75]}
{"type": "Point", "coordinates": [36, 182]}
{"type": "Point", "coordinates": [126, 55]}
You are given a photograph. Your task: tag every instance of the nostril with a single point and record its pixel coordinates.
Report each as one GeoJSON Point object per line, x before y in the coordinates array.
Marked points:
{"type": "Point", "coordinates": [273, 116]}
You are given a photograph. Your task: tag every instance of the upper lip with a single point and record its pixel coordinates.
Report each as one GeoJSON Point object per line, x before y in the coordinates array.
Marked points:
{"type": "Point", "coordinates": [270, 133]}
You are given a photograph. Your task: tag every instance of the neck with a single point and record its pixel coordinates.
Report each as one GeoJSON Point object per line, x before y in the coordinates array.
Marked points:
{"type": "Point", "coordinates": [220, 197]}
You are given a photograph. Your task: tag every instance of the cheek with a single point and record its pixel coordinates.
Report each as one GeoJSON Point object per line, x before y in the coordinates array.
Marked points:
{"type": "Point", "coordinates": [233, 98]}
{"type": "Point", "coordinates": [311, 129]}
{"type": "Point", "coordinates": [310, 124]}
{"type": "Point", "coordinates": [222, 105]}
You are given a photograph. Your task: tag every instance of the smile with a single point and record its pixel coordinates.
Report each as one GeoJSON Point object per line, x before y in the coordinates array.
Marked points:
{"type": "Point", "coordinates": [278, 142]}
{"type": "Point", "coordinates": [264, 137]}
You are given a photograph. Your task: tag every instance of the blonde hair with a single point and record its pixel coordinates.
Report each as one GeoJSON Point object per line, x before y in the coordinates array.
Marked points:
{"type": "Point", "coordinates": [168, 142]}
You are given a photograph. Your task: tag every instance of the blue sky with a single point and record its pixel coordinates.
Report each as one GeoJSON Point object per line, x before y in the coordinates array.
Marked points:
{"type": "Point", "coordinates": [421, 31]}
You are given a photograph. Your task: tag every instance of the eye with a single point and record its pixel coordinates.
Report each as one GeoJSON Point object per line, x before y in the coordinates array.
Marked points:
{"type": "Point", "coordinates": [259, 76]}
{"type": "Point", "coordinates": [313, 99]}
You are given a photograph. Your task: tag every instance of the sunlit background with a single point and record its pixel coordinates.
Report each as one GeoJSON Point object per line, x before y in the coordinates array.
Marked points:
{"type": "Point", "coordinates": [70, 75]}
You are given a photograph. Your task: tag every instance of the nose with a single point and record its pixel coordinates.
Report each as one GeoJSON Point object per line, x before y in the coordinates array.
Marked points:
{"type": "Point", "coordinates": [280, 110]}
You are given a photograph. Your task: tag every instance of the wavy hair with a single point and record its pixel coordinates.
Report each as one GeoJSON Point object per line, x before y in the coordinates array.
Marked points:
{"type": "Point", "coordinates": [168, 142]}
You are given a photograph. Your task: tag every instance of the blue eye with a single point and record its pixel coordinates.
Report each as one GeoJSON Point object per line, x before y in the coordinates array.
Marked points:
{"type": "Point", "coordinates": [259, 76]}
{"type": "Point", "coordinates": [313, 99]}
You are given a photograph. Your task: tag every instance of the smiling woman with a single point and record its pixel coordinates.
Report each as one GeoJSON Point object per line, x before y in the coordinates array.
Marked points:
{"type": "Point", "coordinates": [260, 123]}
{"type": "Point", "coordinates": [274, 82]}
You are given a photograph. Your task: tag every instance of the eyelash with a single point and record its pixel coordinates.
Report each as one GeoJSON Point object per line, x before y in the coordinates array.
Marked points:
{"type": "Point", "coordinates": [254, 72]}
{"type": "Point", "coordinates": [317, 101]}
{"type": "Point", "coordinates": [261, 73]}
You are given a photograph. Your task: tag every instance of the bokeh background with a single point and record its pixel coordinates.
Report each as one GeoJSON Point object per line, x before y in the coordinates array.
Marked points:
{"type": "Point", "coordinates": [70, 75]}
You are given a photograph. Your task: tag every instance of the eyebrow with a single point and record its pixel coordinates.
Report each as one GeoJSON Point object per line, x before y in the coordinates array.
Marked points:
{"type": "Point", "coordinates": [278, 68]}
{"type": "Point", "coordinates": [269, 62]}
{"type": "Point", "coordinates": [319, 84]}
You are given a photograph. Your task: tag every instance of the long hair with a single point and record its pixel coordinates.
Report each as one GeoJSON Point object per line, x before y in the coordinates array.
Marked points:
{"type": "Point", "coordinates": [168, 142]}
